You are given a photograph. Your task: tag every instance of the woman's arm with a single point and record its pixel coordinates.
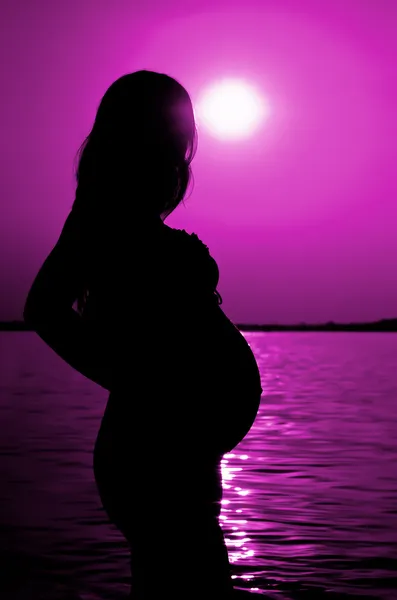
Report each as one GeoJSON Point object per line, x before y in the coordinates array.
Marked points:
{"type": "Point", "coordinates": [49, 310]}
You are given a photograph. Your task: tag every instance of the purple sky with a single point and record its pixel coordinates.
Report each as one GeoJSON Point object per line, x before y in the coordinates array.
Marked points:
{"type": "Point", "coordinates": [301, 217]}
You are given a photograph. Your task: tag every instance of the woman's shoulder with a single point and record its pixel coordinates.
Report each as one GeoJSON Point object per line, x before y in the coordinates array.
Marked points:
{"type": "Point", "coordinates": [195, 260]}
{"type": "Point", "coordinates": [189, 241]}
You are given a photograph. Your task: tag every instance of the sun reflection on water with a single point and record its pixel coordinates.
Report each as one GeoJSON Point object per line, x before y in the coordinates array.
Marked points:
{"type": "Point", "coordinates": [237, 541]}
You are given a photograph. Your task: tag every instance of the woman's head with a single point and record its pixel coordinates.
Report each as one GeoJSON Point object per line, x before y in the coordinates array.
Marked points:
{"type": "Point", "coordinates": [137, 156]}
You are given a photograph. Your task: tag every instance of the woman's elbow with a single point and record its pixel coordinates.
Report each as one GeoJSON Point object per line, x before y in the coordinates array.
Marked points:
{"type": "Point", "coordinates": [30, 312]}
{"type": "Point", "coordinates": [34, 310]}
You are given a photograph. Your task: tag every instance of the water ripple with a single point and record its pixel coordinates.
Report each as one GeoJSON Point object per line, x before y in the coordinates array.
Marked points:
{"type": "Point", "coordinates": [310, 495]}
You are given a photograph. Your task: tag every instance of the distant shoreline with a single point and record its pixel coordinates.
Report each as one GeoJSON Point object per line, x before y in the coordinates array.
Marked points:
{"type": "Point", "coordinates": [384, 325]}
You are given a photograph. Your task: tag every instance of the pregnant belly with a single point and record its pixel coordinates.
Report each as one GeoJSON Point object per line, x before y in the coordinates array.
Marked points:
{"type": "Point", "coordinates": [239, 379]}
{"type": "Point", "coordinates": [201, 386]}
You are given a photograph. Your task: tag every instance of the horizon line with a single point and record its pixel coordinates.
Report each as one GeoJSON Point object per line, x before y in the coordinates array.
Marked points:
{"type": "Point", "coordinates": [19, 324]}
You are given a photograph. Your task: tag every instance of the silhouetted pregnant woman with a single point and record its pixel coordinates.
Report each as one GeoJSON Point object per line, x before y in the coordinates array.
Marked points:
{"type": "Point", "coordinates": [184, 384]}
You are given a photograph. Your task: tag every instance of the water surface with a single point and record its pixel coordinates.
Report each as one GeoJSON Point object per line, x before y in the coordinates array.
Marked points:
{"type": "Point", "coordinates": [310, 495]}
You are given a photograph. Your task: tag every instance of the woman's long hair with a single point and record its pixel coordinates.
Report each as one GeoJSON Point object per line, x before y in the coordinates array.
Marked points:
{"type": "Point", "coordinates": [135, 161]}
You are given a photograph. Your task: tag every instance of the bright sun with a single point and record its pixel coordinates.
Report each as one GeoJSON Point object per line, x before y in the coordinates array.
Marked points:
{"type": "Point", "coordinates": [231, 109]}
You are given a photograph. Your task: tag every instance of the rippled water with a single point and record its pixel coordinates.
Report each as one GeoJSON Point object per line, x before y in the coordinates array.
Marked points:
{"type": "Point", "coordinates": [310, 500]}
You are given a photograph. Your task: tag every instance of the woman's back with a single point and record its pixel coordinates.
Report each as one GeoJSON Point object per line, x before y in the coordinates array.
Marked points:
{"type": "Point", "coordinates": [152, 272]}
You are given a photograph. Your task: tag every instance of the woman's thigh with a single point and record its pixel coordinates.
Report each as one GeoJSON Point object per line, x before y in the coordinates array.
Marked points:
{"type": "Point", "coordinates": [134, 484]}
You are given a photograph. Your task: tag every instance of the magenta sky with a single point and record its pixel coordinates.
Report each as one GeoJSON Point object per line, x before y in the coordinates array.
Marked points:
{"type": "Point", "coordinates": [302, 218]}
